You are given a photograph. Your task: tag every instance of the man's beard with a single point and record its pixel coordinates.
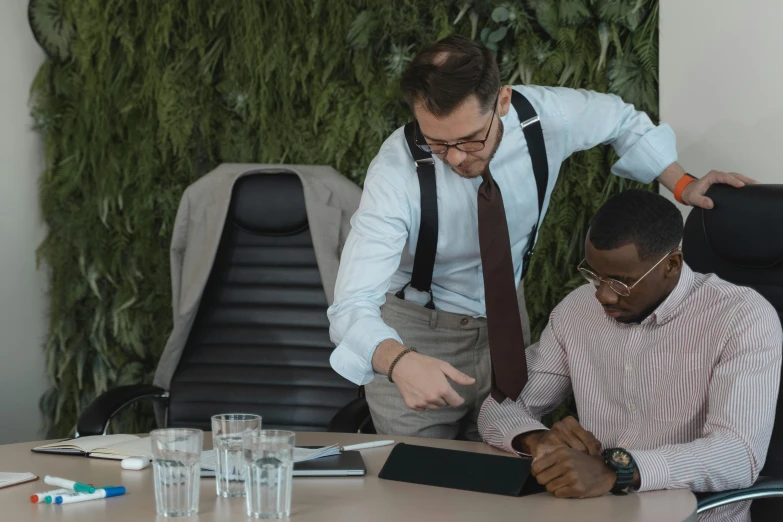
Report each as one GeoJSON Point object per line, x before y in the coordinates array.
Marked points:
{"type": "Point", "coordinates": [489, 160]}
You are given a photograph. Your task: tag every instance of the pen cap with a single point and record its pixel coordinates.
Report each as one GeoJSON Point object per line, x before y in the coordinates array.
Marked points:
{"type": "Point", "coordinates": [83, 488]}
{"type": "Point", "coordinates": [114, 491]}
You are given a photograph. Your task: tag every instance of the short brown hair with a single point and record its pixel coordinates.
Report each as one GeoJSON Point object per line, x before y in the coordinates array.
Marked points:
{"type": "Point", "coordinates": [444, 74]}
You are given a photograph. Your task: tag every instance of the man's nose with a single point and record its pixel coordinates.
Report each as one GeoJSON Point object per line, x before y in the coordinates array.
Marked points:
{"type": "Point", "coordinates": [605, 295]}
{"type": "Point", "coordinates": [454, 156]}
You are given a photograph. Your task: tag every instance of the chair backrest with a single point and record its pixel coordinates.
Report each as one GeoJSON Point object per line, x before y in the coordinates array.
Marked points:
{"type": "Point", "coordinates": [260, 342]}
{"type": "Point", "coordinates": [741, 240]}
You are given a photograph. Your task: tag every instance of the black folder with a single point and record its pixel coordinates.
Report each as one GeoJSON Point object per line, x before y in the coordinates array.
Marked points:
{"type": "Point", "coordinates": [464, 470]}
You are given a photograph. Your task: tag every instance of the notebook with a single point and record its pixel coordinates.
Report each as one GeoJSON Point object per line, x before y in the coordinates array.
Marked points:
{"type": "Point", "coordinates": [12, 479]}
{"type": "Point", "coordinates": [115, 447]}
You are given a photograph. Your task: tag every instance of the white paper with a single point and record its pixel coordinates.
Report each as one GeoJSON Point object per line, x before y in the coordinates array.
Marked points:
{"type": "Point", "coordinates": [300, 455]}
{"type": "Point", "coordinates": [9, 479]}
{"type": "Point", "coordinates": [90, 443]}
{"type": "Point", "coordinates": [137, 447]}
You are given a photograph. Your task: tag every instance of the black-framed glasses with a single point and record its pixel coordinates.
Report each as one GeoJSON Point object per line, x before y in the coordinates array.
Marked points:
{"type": "Point", "coordinates": [465, 146]}
{"type": "Point", "coordinates": [618, 287]}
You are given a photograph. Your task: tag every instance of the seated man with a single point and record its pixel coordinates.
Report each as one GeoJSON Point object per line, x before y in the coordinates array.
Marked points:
{"type": "Point", "coordinates": [680, 369]}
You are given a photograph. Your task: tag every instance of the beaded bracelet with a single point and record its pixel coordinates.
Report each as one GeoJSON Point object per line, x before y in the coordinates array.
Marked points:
{"type": "Point", "coordinates": [394, 362]}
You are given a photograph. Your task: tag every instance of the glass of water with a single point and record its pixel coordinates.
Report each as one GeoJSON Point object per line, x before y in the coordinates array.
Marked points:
{"type": "Point", "coordinates": [227, 431]}
{"type": "Point", "coordinates": [269, 461]}
{"type": "Point", "coordinates": [176, 457]}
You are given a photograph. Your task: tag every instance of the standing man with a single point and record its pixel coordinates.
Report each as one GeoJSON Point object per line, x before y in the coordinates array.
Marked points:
{"type": "Point", "coordinates": [430, 280]}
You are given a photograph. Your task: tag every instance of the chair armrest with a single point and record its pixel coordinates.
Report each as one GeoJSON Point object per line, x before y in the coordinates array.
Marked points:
{"type": "Point", "coordinates": [763, 488]}
{"type": "Point", "coordinates": [94, 419]}
{"type": "Point", "coordinates": [354, 417]}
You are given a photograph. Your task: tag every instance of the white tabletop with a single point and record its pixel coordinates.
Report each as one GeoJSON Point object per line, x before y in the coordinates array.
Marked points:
{"type": "Point", "coordinates": [325, 499]}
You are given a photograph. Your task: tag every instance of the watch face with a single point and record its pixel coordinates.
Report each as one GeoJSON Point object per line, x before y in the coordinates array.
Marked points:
{"type": "Point", "coordinates": [621, 458]}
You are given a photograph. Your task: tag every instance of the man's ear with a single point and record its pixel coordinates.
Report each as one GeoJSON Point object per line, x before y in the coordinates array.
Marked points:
{"type": "Point", "coordinates": [674, 264]}
{"type": "Point", "coordinates": [504, 100]}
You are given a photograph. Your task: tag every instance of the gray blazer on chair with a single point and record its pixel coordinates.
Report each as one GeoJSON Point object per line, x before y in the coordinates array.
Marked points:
{"type": "Point", "coordinates": [330, 199]}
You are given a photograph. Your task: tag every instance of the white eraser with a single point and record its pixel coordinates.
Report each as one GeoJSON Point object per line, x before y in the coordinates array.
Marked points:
{"type": "Point", "coordinates": [135, 463]}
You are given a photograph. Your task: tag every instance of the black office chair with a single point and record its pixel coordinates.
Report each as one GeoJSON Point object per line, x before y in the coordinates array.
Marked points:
{"type": "Point", "coordinates": [260, 341]}
{"type": "Point", "coordinates": [741, 240]}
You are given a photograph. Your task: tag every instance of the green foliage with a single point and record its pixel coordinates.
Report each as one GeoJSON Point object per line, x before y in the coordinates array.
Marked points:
{"type": "Point", "coordinates": [148, 96]}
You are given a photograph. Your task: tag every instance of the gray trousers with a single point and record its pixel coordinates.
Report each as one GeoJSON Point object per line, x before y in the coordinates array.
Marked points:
{"type": "Point", "coordinates": [459, 340]}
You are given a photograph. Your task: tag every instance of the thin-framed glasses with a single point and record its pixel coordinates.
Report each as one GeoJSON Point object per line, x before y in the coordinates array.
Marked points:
{"type": "Point", "coordinates": [618, 287]}
{"type": "Point", "coordinates": [465, 146]}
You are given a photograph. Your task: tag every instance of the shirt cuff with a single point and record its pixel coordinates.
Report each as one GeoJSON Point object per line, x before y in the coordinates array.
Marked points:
{"type": "Point", "coordinates": [649, 156]}
{"type": "Point", "coordinates": [353, 357]}
{"type": "Point", "coordinates": [653, 469]}
{"type": "Point", "coordinates": [511, 435]}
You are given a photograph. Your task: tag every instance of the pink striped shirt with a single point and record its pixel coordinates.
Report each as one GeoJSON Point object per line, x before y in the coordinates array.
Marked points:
{"type": "Point", "coordinates": [690, 392]}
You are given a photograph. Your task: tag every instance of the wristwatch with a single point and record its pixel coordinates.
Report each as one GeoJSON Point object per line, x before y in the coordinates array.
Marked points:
{"type": "Point", "coordinates": [622, 463]}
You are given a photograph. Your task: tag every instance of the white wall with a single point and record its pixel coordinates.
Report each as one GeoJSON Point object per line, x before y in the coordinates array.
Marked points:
{"type": "Point", "coordinates": [22, 287]}
{"type": "Point", "coordinates": [721, 84]}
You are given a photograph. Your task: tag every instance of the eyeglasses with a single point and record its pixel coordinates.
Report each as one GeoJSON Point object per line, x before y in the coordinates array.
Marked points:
{"type": "Point", "coordinates": [464, 146]}
{"type": "Point", "coordinates": [618, 287]}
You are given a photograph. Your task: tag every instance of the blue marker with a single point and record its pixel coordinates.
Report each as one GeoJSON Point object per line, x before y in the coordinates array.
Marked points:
{"type": "Point", "coordinates": [99, 493]}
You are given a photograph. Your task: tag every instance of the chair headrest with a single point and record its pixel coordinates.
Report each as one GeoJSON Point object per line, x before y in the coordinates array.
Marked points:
{"type": "Point", "coordinates": [745, 227]}
{"type": "Point", "coordinates": [270, 204]}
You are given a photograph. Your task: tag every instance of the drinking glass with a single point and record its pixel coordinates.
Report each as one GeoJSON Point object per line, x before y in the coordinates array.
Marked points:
{"type": "Point", "coordinates": [227, 431]}
{"type": "Point", "coordinates": [176, 457]}
{"type": "Point", "coordinates": [269, 464]}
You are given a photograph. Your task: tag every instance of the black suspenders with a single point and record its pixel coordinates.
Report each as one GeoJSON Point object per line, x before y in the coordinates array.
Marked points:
{"type": "Point", "coordinates": [424, 260]}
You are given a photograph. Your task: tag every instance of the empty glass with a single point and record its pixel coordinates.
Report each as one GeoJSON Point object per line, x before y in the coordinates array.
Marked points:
{"type": "Point", "coordinates": [176, 455]}
{"type": "Point", "coordinates": [227, 431]}
{"type": "Point", "coordinates": [269, 460]}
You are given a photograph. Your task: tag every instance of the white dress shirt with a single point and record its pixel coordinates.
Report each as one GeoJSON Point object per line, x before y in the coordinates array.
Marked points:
{"type": "Point", "coordinates": [690, 392]}
{"type": "Point", "coordinates": [379, 252]}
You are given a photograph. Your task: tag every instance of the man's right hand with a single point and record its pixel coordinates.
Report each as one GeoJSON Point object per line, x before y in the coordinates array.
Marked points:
{"type": "Point", "coordinates": [565, 433]}
{"type": "Point", "coordinates": [423, 381]}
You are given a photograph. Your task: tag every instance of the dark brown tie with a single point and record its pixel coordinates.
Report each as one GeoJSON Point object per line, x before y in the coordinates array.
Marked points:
{"type": "Point", "coordinates": [506, 344]}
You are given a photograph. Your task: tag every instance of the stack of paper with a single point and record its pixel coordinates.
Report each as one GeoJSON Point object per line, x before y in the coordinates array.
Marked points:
{"type": "Point", "coordinates": [11, 479]}
{"type": "Point", "coordinates": [300, 455]}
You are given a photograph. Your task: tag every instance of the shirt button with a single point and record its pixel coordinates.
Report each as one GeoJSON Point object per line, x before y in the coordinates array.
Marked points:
{"type": "Point", "coordinates": [628, 367]}
{"type": "Point", "coordinates": [633, 408]}
{"type": "Point", "coordinates": [464, 321]}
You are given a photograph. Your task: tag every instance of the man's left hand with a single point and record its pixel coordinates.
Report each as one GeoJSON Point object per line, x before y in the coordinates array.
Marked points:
{"type": "Point", "coordinates": [694, 196]}
{"type": "Point", "coordinates": [569, 473]}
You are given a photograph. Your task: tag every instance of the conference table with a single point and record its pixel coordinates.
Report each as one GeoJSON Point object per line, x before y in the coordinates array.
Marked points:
{"type": "Point", "coordinates": [323, 499]}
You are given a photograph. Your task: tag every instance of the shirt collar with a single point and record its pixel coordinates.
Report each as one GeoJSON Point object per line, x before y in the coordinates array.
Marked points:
{"type": "Point", "coordinates": [670, 307]}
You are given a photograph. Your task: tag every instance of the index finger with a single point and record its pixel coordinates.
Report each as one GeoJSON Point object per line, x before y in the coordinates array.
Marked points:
{"type": "Point", "coordinates": [727, 178]}
{"type": "Point", "coordinates": [588, 439]}
{"type": "Point", "coordinates": [546, 462]}
{"type": "Point", "coordinates": [749, 181]}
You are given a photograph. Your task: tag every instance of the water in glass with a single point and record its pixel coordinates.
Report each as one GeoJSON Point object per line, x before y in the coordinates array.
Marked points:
{"type": "Point", "coordinates": [269, 472]}
{"type": "Point", "coordinates": [177, 477]}
{"type": "Point", "coordinates": [230, 469]}
{"type": "Point", "coordinates": [227, 432]}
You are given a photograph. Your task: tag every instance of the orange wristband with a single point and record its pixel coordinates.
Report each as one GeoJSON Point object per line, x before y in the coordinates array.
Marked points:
{"type": "Point", "coordinates": [686, 180]}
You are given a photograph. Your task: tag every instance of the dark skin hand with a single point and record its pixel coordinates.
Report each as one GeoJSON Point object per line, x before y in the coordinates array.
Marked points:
{"type": "Point", "coordinates": [565, 433]}
{"type": "Point", "coordinates": [570, 473]}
